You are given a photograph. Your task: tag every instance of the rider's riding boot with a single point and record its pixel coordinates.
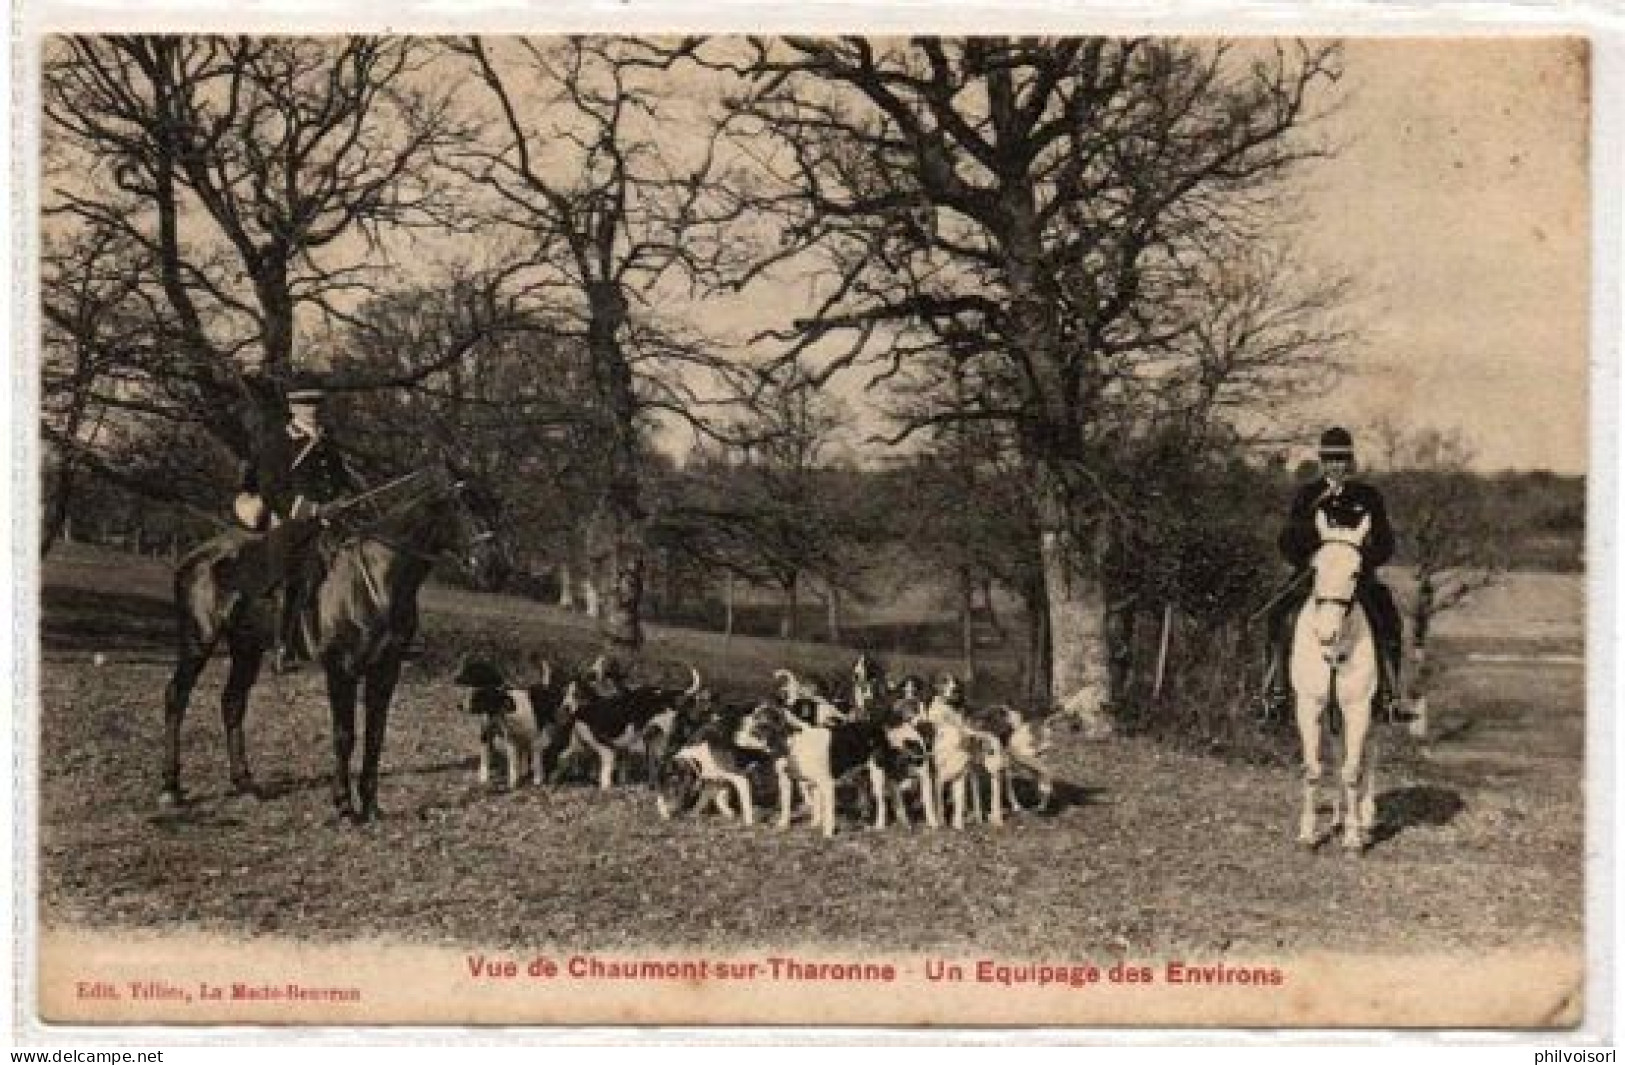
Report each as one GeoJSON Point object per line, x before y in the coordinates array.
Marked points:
{"type": "Point", "coordinates": [289, 654]}
{"type": "Point", "coordinates": [1275, 700]}
{"type": "Point", "coordinates": [1390, 702]}
{"type": "Point", "coordinates": [282, 661]}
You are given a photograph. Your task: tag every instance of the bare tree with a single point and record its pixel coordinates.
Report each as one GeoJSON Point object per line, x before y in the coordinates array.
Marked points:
{"type": "Point", "coordinates": [1042, 196]}
{"type": "Point", "coordinates": [613, 185]}
{"type": "Point", "coordinates": [251, 187]}
{"type": "Point", "coordinates": [88, 285]}
{"type": "Point", "coordinates": [1445, 534]}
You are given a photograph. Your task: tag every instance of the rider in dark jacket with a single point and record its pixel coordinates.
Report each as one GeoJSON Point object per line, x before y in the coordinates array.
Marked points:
{"type": "Point", "coordinates": [1345, 503]}
{"type": "Point", "coordinates": [296, 471]}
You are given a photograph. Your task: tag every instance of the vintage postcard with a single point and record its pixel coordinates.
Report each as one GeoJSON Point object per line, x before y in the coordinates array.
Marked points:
{"type": "Point", "coordinates": [954, 531]}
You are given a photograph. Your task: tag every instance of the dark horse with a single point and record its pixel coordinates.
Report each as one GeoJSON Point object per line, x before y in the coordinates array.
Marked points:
{"type": "Point", "coordinates": [359, 621]}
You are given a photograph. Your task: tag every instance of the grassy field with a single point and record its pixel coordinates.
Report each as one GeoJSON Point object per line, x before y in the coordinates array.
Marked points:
{"type": "Point", "coordinates": [1150, 850]}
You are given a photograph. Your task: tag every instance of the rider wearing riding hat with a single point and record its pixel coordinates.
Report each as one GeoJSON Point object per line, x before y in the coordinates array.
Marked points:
{"type": "Point", "coordinates": [297, 471]}
{"type": "Point", "coordinates": [1345, 503]}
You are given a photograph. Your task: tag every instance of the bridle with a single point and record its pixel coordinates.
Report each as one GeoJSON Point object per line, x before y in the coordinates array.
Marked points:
{"type": "Point", "coordinates": [440, 485]}
{"type": "Point", "coordinates": [1344, 603]}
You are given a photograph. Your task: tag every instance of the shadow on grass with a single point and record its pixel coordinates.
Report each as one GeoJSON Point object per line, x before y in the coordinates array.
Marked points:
{"type": "Point", "coordinates": [204, 808]}
{"type": "Point", "coordinates": [83, 619]}
{"type": "Point", "coordinates": [1066, 796]}
{"type": "Point", "coordinates": [1422, 805]}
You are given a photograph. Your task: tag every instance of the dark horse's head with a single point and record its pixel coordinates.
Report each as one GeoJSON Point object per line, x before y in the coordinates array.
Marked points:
{"type": "Point", "coordinates": [459, 521]}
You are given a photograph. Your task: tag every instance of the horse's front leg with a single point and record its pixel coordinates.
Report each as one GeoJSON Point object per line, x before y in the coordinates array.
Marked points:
{"type": "Point", "coordinates": [176, 696]}
{"type": "Point", "coordinates": [246, 657]}
{"type": "Point", "coordinates": [1359, 804]}
{"type": "Point", "coordinates": [341, 696]}
{"type": "Point", "coordinates": [380, 690]}
{"type": "Point", "coordinates": [1310, 713]}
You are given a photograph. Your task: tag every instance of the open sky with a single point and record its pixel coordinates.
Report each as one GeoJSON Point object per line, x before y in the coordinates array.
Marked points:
{"type": "Point", "coordinates": [1459, 201]}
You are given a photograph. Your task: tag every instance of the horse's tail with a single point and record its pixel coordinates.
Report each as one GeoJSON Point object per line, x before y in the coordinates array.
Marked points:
{"type": "Point", "coordinates": [203, 588]}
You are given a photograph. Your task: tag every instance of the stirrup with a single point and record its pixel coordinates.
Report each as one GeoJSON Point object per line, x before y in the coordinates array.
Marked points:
{"type": "Point", "coordinates": [1271, 705]}
{"type": "Point", "coordinates": [285, 661]}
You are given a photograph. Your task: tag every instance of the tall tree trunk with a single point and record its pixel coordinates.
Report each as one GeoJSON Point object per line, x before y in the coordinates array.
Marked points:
{"type": "Point", "coordinates": [622, 620]}
{"type": "Point", "coordinates": [992, 610]}
{"type": "Point", "coordinates": [788, 623]}
{"type": "Point", "coordinates": [1080, 666]}
{"type": "Point", "coordinates": [276, 305]}
{"type": "Point", "coordinates": [833, 610]}
{"type": "Point", "coordinates": [1052, 445]}
{"type": "Point", "coordinates": [967, 622]}
{"type": "Point", "coordinates": [621, 625]}
{"type": "Point", "coordinates": [567, 587]}
{"type": "Point", "coordinates": [56, 515]}
{"type": "Point", "coordinates": [1037, 686]}
{"type": "Point", "coordinates": [1417, 682]}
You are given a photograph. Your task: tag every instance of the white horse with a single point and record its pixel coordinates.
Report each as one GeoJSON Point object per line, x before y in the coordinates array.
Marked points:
{"type": "Point", "coordinates": [1334, 653]}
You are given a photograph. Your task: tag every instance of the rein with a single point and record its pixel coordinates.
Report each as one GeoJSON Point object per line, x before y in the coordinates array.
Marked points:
{"type": "Point", "coordinates": [365, 531]}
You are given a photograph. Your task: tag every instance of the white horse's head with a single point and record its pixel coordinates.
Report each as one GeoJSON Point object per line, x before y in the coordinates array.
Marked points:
{"type": "Point", "coordinates": [1336, 568]}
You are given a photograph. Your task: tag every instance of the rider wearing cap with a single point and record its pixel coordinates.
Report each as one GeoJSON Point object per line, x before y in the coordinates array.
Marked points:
{"type": "Point", "coordinates": [1345, 503]}
{"type": "Point", "coordinates": [296, 472]}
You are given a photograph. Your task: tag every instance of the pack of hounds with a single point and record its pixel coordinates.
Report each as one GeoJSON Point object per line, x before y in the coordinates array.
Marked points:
{"type": "Point", "coordinates": [901, 749]}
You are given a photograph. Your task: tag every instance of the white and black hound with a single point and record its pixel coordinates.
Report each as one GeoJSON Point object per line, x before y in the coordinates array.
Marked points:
{"type": "Point", "coordinates": [611, 720]}
{"type": "Point", "coordinates": [705, 760]}
{"type": "Point", "coordinates": [962, 751]}
{"type": "Point", "coordinates": [805, 701]}
{"type": "Point", "coordinates": [520, 723]}
{"type": "Point", "coordinates": [816, 758]}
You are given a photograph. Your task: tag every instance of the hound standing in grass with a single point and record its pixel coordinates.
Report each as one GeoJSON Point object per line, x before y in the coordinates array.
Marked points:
{"type": "Point", "coordinates": [815, 758]}
{"type": "Point", "coordinates": [1026, 742]}
{"type": "Point", "coordinates": [518, 723]}
{"type": "Point", "coordinates": [612, 721]}
{"type": "Point", "coordinates": [705, 760]}
{"type": "Point", "coordinates": [961, 754]}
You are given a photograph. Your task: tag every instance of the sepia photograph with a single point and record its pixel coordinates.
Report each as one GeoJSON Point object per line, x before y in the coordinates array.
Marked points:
{"type": "Point", "coordinates": [939, 531]}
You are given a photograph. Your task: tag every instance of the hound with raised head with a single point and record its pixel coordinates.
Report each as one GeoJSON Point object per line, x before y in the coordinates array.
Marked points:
{"type": "Point", "coordinates": [521, 724]}
{"type": "Point", "coordinates": [815, 758]}
{"type": "Point", "coordinates": [805, 701]}
{"type": "Point", "coordinates": [613, 721]}
{"type": "Point", "coordinates": [961, 754]}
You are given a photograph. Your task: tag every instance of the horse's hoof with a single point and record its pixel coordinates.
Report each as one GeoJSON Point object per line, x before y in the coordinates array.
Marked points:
{"type": "Point", "coordinates": [246, 789]}
{"type": "Point", "coordinates": [171, 799]}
